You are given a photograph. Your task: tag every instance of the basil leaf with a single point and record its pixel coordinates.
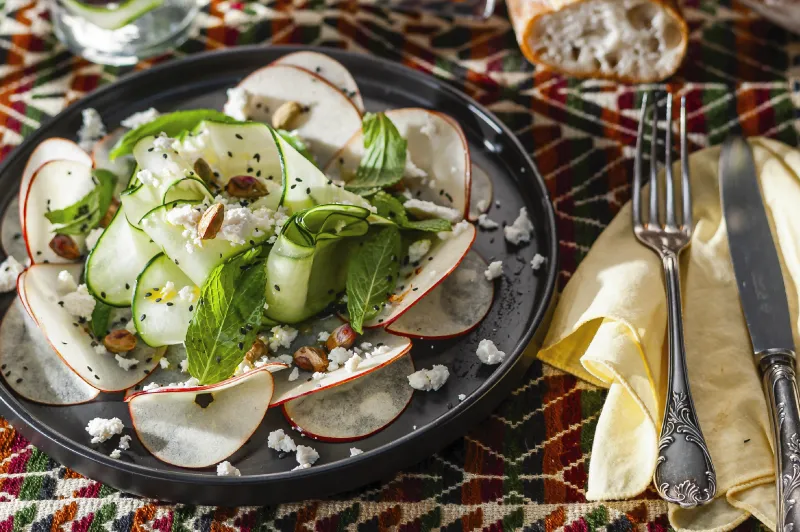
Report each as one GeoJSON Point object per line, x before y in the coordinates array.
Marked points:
{"type": "Point", "coordinates": [372, 274]}
{"type": "Point", "coordinates": [100, 316]}
{"type": "Point", "coordinates": [172, 124]}
{"type": "Point", "coordinates": [384, 159]}
{"type": "Point", "coordinates": [227, 318]}
{"type": "Point", "coordinates": [87, 212]}
{"type": "Point", "coordinates": [390, 207]}
{"type": "Point", "coordinates": [296, 143]}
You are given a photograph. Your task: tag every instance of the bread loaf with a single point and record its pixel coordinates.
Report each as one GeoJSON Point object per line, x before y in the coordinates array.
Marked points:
{"type": "Point", "coordinates": [632, 41]}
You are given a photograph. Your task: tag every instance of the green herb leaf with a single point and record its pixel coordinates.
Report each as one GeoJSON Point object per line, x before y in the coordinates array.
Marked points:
{"type": "Point", "coordinates": [372, 274]}
{"type": "Point", "coordinates": [172, 124]}
{"type": "Point", "coordinates": [87, 212]}
{"type": "Point", "coordinates": [227, 318]}
{"type": "Point", "coordinates": [384, 157]}
{"type": "Point", "coordinates": [100, 316]}
{"type": "Point", "coordinates": [296, 143]}
{"type": "Point", "coordinates": [390, 207]}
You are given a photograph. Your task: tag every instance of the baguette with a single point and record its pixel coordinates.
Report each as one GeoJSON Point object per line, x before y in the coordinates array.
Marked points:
{"type": "Point", "coordinates": [630, 41]}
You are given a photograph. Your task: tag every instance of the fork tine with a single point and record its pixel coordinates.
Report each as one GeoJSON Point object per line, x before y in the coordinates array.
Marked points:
{"type": "Point", "coordinates": [636, 200]}
{"type": "Point", "coordinates": [687, 191]}
{"type": "Point", "coordinates": [654, 222]}
{"type": "Point", "coordinates": [670, 201]}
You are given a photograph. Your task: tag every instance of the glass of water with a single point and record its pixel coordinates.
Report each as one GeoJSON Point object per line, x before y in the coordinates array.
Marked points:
{"type": "Point", "coordinates": [121, 32]}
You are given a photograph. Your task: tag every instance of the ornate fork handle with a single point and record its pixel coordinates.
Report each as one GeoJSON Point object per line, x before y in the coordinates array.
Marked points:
{"type": "Point", "coordinates": [684, 473]}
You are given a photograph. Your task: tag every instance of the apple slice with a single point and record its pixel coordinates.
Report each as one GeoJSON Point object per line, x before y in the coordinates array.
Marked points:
{"type": "Point", "coordinates": [11, 232]}
{"type": "Point", "coordinates": [57, 184]}
{"type": "Point", "coordinates": [122, 167]}
{"type": "Point", "coordinates": [387, 348]}
{"type": "Point", "coordinates": [72, 340]}
{"type": "Point", "coordinates": [30, 366]}
{"type": "Point", "coordinates": [453, 308]}
{"type": "Point", "coordinates": [328, 69]}
{"type": "Point", "coordinates": [357, 409]}
{"type": "Point", "coordinates": [482, 193]}
{"type": "Point", "coordinates": [203, 425]}
{"type": "Point", "coordinates": [331, 117]}
{"type": "Point", "coordinates": [436, 145]}
{"type": "Point", "coordinates": [52, 149]}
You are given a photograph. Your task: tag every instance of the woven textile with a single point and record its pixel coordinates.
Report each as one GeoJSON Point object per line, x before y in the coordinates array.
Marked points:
{"type": "Point", "coordinates": [524, 468]}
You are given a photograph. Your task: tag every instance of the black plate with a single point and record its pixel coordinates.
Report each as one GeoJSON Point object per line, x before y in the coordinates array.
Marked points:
{"type": "Point", "coordinates": [523, 299]}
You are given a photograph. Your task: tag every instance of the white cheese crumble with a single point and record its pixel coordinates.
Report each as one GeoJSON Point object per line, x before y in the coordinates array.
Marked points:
{"type": "Point", "coordinates": [102, 429]}
{"type": "Point", "coordinates": [93, 236]}
{"type": "Point", "coordinates": [457, 229]}
{"type": "Point", "coordinates": [226, 469]}
{"type": "Point", "coordinates": [237, 105]}
{"type": "Point", "coordinates": [280, 441]}
{"type": "Point", "coordinates": [125, 363]}
{"type": "Point", "coordinates": [286, 359]}
{"type": "Point", "coordinates": [92, 129]}
{"type": "Point", "coordinates": [340, 355]}
{"type": "Point", "coordinates": [151, 386]}
{"type": "Point", "coordinates": [352, 363]}
{"type": "Point", "coordinates": [306, 456]}
{"type": "Point", "coordinates": [429, 128]}
{"type": "Point", "coordinates": [184, 365]}
{"type": "Point", "coordinates": [116, 454]}
{"type": "Point", "coordinates": [80, 303]}
{"type": "Point", "coordinates": [537, 261]}
{"type": "Point", "coordinates": [332, 366]}
{"type": "Point", "coordinates": [323, 336]}
{"type": "Point", "coordinates": [192, 147]}
{"type": "Point", "coordinates": [10, 269]}
{"type": "Point", "coordinates": [124, 443]}
{"type": "Point", "coordinates": [148, 178]}
{"type": "Point", "coordinates": [355, 451]}
{"type": "Point", "coordinates": [282, 336]}
{"type": "Point", "coordinates": [412, 170]}
{"type": "Point", "coordinates": [168, 290]}
{"type": "Point", "coordinates": [494, 270]}
{"type": "Point", "coordinates": [163, 143]}
{"type": "Point", "coordinates": [429, 209]}
{"type": "Point", "coordinates": [520, 230]}
{"type": "Point", "coordinates": [164, 363]}
{"type": "Point", "coordinates": [482, 205]}
{"type": "Point", "coordinates": [100, 349]}
{"type": "Point", "coordinates": [188, 294]}
{"type": "Point", "coordinates": [418, 250]}
{"type": "Point", "coordinates": [429, 379]}
{"type": "Point", "coordinates": [318, 375]}
{"type": "Point", "coordinates": [65, 282]}
{"type": "Point", "coordinates": [488, 353]}
{"type": "Point", "coordinates": [461, 397]}
{"type": "Point", "coordinates": [484, 222]}
{"type": "Point", "coordinates": [294, 375]}
{"type": "Point", "coordinates": [141, 118]}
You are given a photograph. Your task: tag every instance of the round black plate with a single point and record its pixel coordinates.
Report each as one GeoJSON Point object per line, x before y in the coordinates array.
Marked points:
{"type": "Point", "coordinates": [522, 301]}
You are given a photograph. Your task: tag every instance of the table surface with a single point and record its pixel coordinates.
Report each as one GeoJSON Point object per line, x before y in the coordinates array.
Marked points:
{"type": "Point", "coordinates": [524, 467]}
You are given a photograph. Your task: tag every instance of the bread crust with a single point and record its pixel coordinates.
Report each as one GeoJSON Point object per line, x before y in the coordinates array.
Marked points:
{"type": "Point", "coordinates": [525, 14]}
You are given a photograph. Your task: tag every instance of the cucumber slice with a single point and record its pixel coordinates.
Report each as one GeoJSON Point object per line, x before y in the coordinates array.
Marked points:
{"type": "Point", "coordinates": [116, 261]}
{"type": "Point", "coordinates": [162, 319]}
{"type": "Point", "coordinates": [112, 19]}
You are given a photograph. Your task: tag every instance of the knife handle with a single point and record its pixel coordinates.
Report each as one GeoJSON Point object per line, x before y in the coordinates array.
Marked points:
{"type": "Point", "coordinates": [780, 386]}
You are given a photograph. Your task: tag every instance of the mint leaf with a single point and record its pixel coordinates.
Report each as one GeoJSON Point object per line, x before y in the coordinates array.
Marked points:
{"type": "Point", "coordinates": [372, 274]}
{"type": "Point", "coordinates": [172, 124]}
{"type": "Point", "coordinates": [227, 318]}
{"type": "Point", "coordinates": [296, 143]}
{"type": "Point", "coordinates": [390, 207]}
{"type": "Point", "coordinates": [384, 157]}
{"type": "Point", "coordinates": [100, 316]}
{"type": "Point", "coordinates": [87, 212]}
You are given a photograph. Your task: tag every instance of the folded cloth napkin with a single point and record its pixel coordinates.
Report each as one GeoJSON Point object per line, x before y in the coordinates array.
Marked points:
{"type": "Point", "coordinates": [609, 329]}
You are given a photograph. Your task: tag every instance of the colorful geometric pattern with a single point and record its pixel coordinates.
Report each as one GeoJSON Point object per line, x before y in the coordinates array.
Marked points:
{"type": "Point", "coordinates": [525, 467]}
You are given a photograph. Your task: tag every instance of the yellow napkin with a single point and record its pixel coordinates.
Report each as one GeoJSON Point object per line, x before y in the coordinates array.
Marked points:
{"type": "Point", "coordinates": [609, 329]}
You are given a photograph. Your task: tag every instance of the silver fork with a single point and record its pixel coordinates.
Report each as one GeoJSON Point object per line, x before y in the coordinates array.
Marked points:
{"type": "Point", "coordinates": [684, 473]}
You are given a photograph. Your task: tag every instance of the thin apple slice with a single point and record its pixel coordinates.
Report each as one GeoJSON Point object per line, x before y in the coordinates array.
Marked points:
{"type": "Point", "coordinates": [416, 280]}
{"type": "Point", "coordinates": [482, 193]}
{"type": "Point", "coordinates": [72, 340]}
{"type": "Point", "coordinates": [328, 69]}
{"type": "Point", "coordinates": [436, 145]}
{"type": "Point", "coordinates": [386, 348]}
{"type": "Point", "coordinates": [453, 308]}
{"type": "Point", "coordinates": [201, 426]}
{"type": "Point", "coordinates": [57, 184]}
{"type": "Point", "coordinates": [122, 167]}
{"type": "Point", "coordinates": [330, 119]}
{"type": "Point", "coordinates": [52, 149]}
{"type": "Point", "coordinates": [357, 409]}
{"type": "Point", "coordinates": [31, 368]}
{"type": "Point", "coordinates": [11, 232]}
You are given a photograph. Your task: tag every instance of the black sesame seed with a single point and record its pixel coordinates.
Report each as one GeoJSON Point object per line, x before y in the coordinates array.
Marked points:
{"type": "Point", "coordinates": [293, 187]}
{"type": "Point", "coordinates": [148, 294]}
{"type": "Point", "coordinates": [241, 346]}
{"type": "Point", "coordinates": [127, 286]}
{"type": "Point", "coordinates": [238, 136]}
{"type": "Point", "coordinates": [98, 378]}
{"type": "Point", "coordinates": [19, 380]}
{"type": "Point", "coordinates": [158, 300]}
{"type": "Point", "coordinates": [170, 304]}
{"type": "Point", "coordinates": [230, 154]}
{"type": "Point", "coordinates": [150, 148]}
{"type": "Point", "coordinates": [376, 307]}
{"type": "Point", "coordinates": [191, 308]}
{"type": "Point", "coordinates": [277, 288]}
{"type": "Point", "coordinates": [249, 170]}
{"type": "Point", "coordinates": [147, 360]}
{"type": "Point", "coordinates": [165, 156]}
{"type": "Point", "coordinates": [258, 173]}
{"type": "Point", "coordinates": [308, 190]}
{"type": "Point", "coordinates": [102, 294]}
{"type": "Point", "coordinates": [60, 303]}
{"type": "Point", "coordinates": [142, 317]}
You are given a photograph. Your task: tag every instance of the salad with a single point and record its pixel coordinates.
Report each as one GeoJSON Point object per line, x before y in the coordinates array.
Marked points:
{"type": "Point", "coordinates": [283, 251]}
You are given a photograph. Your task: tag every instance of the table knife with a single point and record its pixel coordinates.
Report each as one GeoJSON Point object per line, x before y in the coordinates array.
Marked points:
{"type": "Point", "coordinates": [766, 311]}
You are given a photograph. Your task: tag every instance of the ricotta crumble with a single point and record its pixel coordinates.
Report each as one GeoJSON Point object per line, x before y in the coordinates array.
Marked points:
{"type": "Point", "coordinates": [488, 353]}
{"type": "Point", "coordinates": [101, 429]}
{"type": "Point", "coordinates": [428, 380]}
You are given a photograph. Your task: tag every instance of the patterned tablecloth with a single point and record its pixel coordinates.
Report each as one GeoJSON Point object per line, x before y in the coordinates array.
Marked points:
{"type": "Point", "coordinates": [524, 467]}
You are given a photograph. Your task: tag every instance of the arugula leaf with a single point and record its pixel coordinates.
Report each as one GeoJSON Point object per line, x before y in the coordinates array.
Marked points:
{"type": "Point", "coordinates": [372, 274]}
{"type": "Point", "coordinates": [100, 316]}
{"type": "Point", "coordinates": [172, 124]}
{"type": "Point", "coordinates": [390, 207]}
{"type": "Point", "coordinates": [384, 157]}
{"type": "Point", "coordinates": [87, 212]}
{"type": "Point", "coordinates": [296, 143]}
{"type": "Point", "coordinates": [227, 318]}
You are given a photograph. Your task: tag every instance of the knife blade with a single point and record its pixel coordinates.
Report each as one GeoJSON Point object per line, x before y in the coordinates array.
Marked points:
{"type": "Point", "coordinates": [762, 293]}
